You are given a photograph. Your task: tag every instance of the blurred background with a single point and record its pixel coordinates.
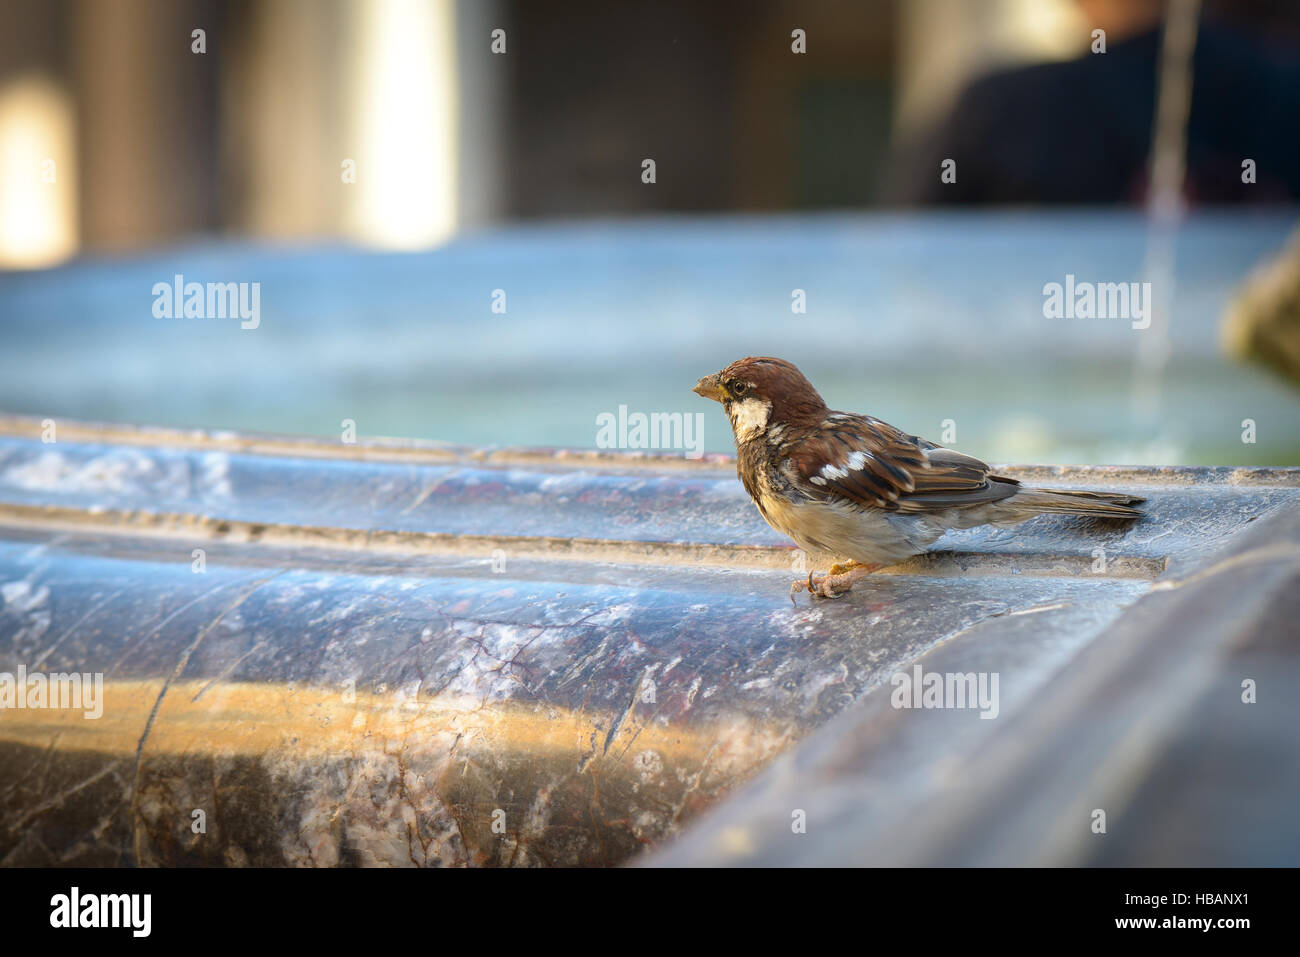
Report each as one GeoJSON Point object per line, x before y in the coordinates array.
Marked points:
{"type": "Point", "coordinates": [445, 205]}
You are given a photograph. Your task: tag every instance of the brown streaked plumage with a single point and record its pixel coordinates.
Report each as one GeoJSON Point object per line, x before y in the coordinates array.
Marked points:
{"type": "Point", "coordinates": [855, 488]}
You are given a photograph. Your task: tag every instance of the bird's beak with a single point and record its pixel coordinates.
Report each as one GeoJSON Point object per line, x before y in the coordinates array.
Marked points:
{"type": "Point", "coordinates": [711, 388]}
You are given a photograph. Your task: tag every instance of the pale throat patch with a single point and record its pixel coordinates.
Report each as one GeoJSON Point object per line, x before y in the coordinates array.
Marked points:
{"type": "Point", "coordinates": [749, 418]}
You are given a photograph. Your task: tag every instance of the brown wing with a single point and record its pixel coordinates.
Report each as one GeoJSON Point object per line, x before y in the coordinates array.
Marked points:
{"type": "Point", "coordinates": [873, 464]}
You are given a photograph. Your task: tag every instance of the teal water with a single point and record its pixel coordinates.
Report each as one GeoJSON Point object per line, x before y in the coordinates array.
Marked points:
{"type": "Point", "coordinates": [923, 320]}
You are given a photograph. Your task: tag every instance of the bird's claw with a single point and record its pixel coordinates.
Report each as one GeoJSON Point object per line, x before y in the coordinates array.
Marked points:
{"type": "Point", "coordinates": [836, 583]}
{"type": "Point", "coordinates": [819, 588]}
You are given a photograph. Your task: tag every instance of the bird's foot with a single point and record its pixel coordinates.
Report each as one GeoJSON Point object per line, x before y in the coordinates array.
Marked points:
{"type": "Point", "coordinates": [835, 583]}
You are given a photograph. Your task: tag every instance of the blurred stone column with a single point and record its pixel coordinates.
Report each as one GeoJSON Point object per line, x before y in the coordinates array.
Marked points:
{"type": "Point", "coordinates": [483, 80]}
{"type": "Point", "coordinates": [284, 126]}
{"type": "Point", "coordinates": [38, 169]}
{"type": "Point", "coordinates": [147, 118]}
{"type": "Point", "coordinates": [376, 120]}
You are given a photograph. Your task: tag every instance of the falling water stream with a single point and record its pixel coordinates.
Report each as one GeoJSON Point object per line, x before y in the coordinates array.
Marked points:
{"type": "Point", "coordinates": [1165, 210]}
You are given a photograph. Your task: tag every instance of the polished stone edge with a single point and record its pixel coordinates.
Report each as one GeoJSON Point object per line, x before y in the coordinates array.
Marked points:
{"type": "Point", "coordinates": [424, 451]}
{"type": "Point", "coordinates": [1137, 704]}
{"type": "Point", "coordinates": [189, 526]}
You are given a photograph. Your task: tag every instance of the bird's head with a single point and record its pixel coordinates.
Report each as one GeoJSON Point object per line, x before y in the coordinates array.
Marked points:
{"type": "Point", "coordinates": [759, 392]}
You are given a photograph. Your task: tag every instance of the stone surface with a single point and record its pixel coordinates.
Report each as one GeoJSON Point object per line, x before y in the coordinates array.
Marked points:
{"type": "Point", "coordinates": [1149, 724]}
{"type": "Point", "coordinates": [409, 653]}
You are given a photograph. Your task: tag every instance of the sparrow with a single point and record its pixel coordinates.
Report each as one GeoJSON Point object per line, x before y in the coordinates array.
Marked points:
{"type": "Point", "coordinates": [858, 489]}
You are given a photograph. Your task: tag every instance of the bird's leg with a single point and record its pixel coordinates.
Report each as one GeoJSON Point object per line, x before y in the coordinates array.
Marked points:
{"type": "Point", "coordinates": [840, 579]}
{"type": "Point", "coordinates": [813, 586]}
{"type": "Point", "coordinates": [836, 582]}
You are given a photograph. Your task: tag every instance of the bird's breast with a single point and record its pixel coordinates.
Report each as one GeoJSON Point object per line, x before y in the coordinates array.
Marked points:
{"type": "Point", "coordinates": [844, 530]}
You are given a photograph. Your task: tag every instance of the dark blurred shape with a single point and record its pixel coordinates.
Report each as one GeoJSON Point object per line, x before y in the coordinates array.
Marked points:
{"type": "Point", "coordinates": [710, 91]}
{"type": "Point", "coordinates": [1080, 131]}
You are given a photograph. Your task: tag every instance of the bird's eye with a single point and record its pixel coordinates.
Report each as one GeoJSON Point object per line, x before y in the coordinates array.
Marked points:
{"type": "Point", "coordinates": [739, 388]}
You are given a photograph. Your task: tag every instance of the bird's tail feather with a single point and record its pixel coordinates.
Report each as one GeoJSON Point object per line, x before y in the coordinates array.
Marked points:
{"type": "Point", "coordinates": [1072, 502]}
